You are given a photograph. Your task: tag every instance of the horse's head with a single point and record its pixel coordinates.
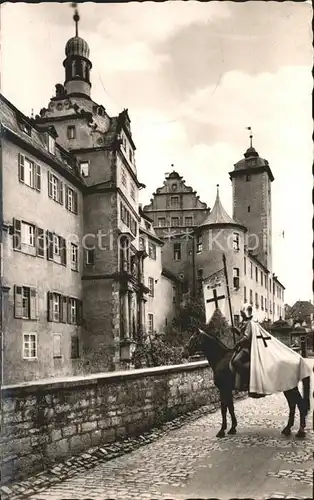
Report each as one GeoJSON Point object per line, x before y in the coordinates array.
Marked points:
{"type": "Point", "coordinates": [196, 343]}
{"type": "Point", "coordinates": [206, 343]}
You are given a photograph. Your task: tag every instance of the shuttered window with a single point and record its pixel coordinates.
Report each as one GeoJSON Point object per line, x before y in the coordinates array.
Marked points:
{"type": "Point", "coordinates": [25, 302]}
{"type": "Point", "coordinates": [55, 188]}
{"type": "Point", "coordinates": [75, 348]}
{"type": "Point", "coordinates": [71, 200]}
{"type": "Point", "coordinates": [29, 172]}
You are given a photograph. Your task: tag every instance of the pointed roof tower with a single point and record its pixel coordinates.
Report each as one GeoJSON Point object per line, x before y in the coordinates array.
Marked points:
{"type": "Point", "coordinates": [219, 217]}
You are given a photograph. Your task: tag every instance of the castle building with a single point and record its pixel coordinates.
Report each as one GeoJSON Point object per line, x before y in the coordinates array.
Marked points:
{"type": "Point", "coordinates": [194, 251]}
{"type": "Point", "coordinates": [74, 284]}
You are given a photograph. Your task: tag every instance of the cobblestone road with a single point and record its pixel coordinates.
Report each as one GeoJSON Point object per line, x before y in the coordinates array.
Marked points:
{"type": "Point", "coordinates": [191, 462]}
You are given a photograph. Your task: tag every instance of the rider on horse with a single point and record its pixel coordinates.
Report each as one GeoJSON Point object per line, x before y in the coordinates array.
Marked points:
{"type": "Point", "coordinates": [241, 361]}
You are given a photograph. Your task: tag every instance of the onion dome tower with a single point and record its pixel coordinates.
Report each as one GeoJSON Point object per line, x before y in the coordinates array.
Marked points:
{"type": "Point", "coordinates": [77, 64]}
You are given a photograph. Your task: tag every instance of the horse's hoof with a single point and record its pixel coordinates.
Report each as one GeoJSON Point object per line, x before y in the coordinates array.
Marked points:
{"type": "Point", "coordinates": [221, 434]}
{"type": "Point", "coordinates": [300, 434]}
{"type": "Point", "coordinates": [233, 430]}
{"type": "Point", "coordinates": [286, 431]}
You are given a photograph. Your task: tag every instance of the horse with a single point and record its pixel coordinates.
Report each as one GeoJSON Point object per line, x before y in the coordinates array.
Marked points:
{"type": "Point", "coordinates": [219, 357]}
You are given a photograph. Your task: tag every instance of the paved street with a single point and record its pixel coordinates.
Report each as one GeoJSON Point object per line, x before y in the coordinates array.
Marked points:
{"type": "Point", "coordinates": [190, 462]}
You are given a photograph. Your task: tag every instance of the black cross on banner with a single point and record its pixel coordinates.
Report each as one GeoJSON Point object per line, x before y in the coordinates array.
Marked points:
{"type": "Point", "coordinates": [216, 298]}
{"type": "Point", "coordinates": [264, 339]}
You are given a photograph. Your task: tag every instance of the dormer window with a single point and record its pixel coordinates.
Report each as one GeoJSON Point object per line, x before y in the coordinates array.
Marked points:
{"type": "Point", "coordinates": [51, 144]}
{"type": "Point", "coordinates": [71, 132]}
{"type": "Point", "coordinates": [131, 155]}
{"type": "Point", "coordinates": [251, 162]}
{"type": "Point", "coordinates": [84, 168]}
{"type": "Point", "coordinates": [27, 129]}
{"type": "Point", "coordinates": [248, 178]}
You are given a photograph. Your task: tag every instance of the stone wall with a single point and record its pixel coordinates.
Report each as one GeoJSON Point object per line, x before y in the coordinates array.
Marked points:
{"type": "Point", "coordinates": [48, 421]}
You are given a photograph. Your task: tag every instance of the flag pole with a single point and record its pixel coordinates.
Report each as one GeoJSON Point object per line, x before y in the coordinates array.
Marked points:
{"type": "Point", "coordinates": [228, 295]}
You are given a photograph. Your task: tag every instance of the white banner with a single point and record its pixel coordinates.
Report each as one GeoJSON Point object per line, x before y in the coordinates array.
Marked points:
{"type": "Point", "coordinates": [215, 295]}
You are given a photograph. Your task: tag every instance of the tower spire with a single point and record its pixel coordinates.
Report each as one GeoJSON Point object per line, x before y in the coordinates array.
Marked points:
{"type": "Point", "coordinates": [251, 136]}
{"type": "Point", "coordinates": [76, 17]}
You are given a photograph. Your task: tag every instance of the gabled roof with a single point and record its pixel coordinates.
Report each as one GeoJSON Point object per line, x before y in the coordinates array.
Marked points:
{"type": "Point", "coordinates": [219, 216]}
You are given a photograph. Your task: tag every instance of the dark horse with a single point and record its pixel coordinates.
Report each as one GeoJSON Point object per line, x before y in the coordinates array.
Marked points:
{"type": "Point", "coordinates": [219, 356]}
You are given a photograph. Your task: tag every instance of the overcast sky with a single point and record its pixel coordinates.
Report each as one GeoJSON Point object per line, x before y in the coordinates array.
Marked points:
{"type": "Point", "coordinates": [193, 76]}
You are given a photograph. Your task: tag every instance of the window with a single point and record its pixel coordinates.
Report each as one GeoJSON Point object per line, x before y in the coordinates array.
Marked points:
{"type": "Point", "coordinates": [245, 295]}
{"type": "Point", "coordinates": [236, 242]}
{"type": "Point", "coordinates": [262, 276]}
{"type": "Point", "coordinates": [75, 351]}
{"type": "Point", "coordinates": [248, 178]}
{"type": "Point", "coordinates": [174, 295]}
{"type": "Point", "coordinates": [56, 248]}
{"type": "Point", "coordinates": [244, 265]}
{"type": "Point", "coordinates": [55, 188]}
{"type": "Point", "coordinates": [249, 208]}
{"type": "Point", "coordinates": [150, 323]}
{"type": "Point", "coordinates": [251, 270]}
{"type": "Point", "coordinates": [266, 281]}
{"type": "Point", "coordinates": [25, 302]}
{"type": "Point", "coordinates": [262, 302]}
{"type": "Point", "coordinates": [177, 251]}
{"type": "Point", "coordinates": [71, 132]}
{"type": "Point", "coordinates": [56, 345]}
{"type": "Point", "coordinates": [152, 250]}
{"type": "Point", "coordinates": [84, 168]}
{"type": "Point", "coordinates": [256, 300]}
{"type": "Point", "coordinates": [70, 200]}
{"type": "Point", "coordinates": [27, 129]}
{"type": "Point", "coordinates": [51, 144]}
{"type": "Point", "coordinates": [148, 226]}
{"type": "Point", "coordinates": [151, 286]}
{"type": "Point", "coordinates": [199, 243]}
{"type": "Point", "coordinates": [29, 173]}
{"type": "Point", "coordinates": [61, 309]}
{"type": "Point", "coordinates": [27, 234]}
{"type": "Point", "coordinates": [236, 320]}
{"type": "Point", "coordinates": [174, 201]}
{"type": "Point", "coordinates": [236, 278]}
{"type": "Point", "coordinates": [132, 189]}
{"type": "Point", "coordinates": [74, 257]}
{"type": "Point", "coordinates": [29, 346]}
{"type": "Point", "coordinates": [124, 180]}
{"type": "Point", "coordinates": [265, 304]}
{"type": "Point", "coordinates": [56, 307]}
{"type": "Point", "coordinates": [161, 221]}
{"type": "Point", "coordinates": [270, 307]}
{"type": "Point", "coordinates": [72, 311]}
{"type": "Point", "coordinates": [90, 257]}
{"type": "Point", "coordinates": [251, 297]}
{"type": "Point", "coordinates": [175, 221]}
{"type": "Point", "coordinates": [188, 221]}
{"type": "Point", "coordinates": [142, 244]}
{"type": "Point", "coordinates": [256, 274]}
{"type": "Point", "coordinates": [130, 155]}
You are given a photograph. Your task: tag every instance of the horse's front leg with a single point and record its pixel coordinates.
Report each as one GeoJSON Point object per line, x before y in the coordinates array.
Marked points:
{"type": "Point", "coordinates": [223, 408]}
{"type": "Point", "coordinates": [291, 399]}
{"type": "Point", "coordinates": [234, 423]}
{"type": "Point", "coordinates": [302, 406]}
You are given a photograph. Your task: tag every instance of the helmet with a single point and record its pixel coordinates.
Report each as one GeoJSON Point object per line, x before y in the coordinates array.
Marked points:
{"type": "Point", "coordinates": [247, 309]}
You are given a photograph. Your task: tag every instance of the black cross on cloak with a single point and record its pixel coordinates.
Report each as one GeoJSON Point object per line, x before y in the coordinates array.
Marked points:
{"type": "Point", "coordinates": [264, 339]}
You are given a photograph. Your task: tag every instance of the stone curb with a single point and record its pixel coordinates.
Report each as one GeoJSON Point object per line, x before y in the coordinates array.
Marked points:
{"type": "Point", "coordinates": [103, 453]}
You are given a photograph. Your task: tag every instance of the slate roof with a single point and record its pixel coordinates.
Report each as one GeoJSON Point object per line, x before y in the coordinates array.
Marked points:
{"type": "Point", "coordinates": [218, 215]}
{"type": "Point", "coordinates": [12, 120]}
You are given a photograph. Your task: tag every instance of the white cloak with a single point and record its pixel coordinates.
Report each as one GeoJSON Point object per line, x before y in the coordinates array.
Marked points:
{"type": "Point", "coordinates": [275, 368]}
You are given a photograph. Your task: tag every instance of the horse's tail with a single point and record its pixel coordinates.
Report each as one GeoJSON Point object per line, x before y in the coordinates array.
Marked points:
{"type": "Point", "coordinates": [306, 394]}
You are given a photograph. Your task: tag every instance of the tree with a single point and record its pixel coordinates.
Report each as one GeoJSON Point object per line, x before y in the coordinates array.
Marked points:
{"type": "Point", "coordinates": [218, 325]}
{"type": "Point", "coordinates": [190, 316]}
